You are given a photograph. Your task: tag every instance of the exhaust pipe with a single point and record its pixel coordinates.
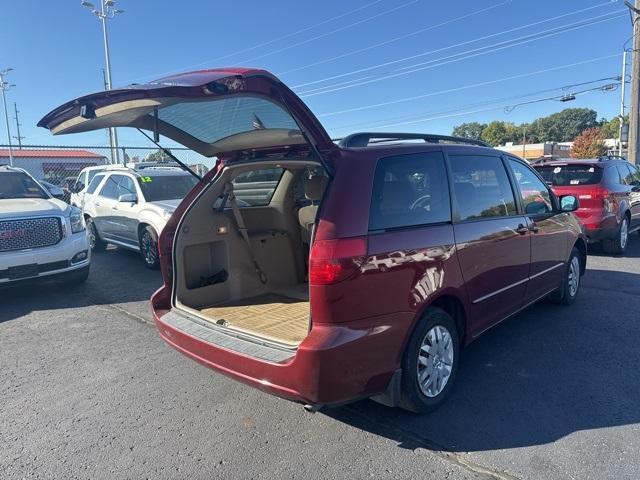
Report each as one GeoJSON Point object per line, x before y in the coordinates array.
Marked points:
{"type": "Point", "coordinates": [312, 408]}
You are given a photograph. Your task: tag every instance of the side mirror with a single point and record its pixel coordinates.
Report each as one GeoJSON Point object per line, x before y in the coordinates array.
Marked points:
{"type": "Point", "coordinates": [568, 203]}
{"type": "Point", "coordinates": [77, 188]}
{"type": "Point", "coordinates": [128, 198]}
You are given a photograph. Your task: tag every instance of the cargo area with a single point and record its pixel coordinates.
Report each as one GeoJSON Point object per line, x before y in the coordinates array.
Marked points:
{"type": "Point", "coordinates": [242, 251]}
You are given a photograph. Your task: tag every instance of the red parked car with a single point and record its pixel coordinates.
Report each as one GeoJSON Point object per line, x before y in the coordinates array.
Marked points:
{"type": "Point", "coordinates": [608, 189]}
{"type": "Point", "coordinates": [359, 269]}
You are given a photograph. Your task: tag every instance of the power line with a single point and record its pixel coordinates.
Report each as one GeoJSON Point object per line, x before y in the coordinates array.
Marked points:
{"type": "Point", "coordinates": [481, 104]}
{"type": "Point", "coordinates": [466, 87]}
{"type": "Point", "coordinates": [475, 40]}
{"type": "Point", "coordinates": [457, 114]}
{"type": "Point", "coordinates": [282, 37]}
{"type": "Point", "coordinates": [392, 40]}
{"type": "Point", "coordinates": [331, 32]}
{"type": "Point", "coordinates": [424, 65]}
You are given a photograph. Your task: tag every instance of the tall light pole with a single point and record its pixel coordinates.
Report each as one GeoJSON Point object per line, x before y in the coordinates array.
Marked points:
{"type": "Point", "coordinates": [107, 11]}
{"type": "Point", "coordinates": [623, 83]}
{"type": "Point", "coordinates": [634, 109]}
{"type": "Point", "coordinates": [4, 86]}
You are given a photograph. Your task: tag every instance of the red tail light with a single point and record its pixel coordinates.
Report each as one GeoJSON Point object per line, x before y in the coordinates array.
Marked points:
{"type": "Point", "coordinates": [332, 261]}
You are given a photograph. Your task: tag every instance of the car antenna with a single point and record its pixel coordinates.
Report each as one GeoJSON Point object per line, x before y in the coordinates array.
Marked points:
{"type": "Point", "coordinates": [170, 155]}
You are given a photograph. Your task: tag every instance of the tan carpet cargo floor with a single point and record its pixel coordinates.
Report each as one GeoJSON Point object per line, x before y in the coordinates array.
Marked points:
{"type": "Point", "coordinates": [271, 316]}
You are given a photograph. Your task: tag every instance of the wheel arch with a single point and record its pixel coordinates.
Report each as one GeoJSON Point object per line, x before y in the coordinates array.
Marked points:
{"type": "Point", "coordinates": [581, 245]}
{"type": "Point", "coordinates": [450, 303]}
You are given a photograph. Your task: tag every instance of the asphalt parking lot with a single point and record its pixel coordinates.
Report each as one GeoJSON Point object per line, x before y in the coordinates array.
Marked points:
{"type": "Point", "coordinates": [88, 390]}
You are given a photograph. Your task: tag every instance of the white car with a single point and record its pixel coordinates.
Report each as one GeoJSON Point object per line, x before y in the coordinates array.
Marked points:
{"type": "Point", "coordinates": [129, 207]}
{"type": "Point", "coordinates": [79, 188]}
{"type": "Point", "coordinates": [40, 236]}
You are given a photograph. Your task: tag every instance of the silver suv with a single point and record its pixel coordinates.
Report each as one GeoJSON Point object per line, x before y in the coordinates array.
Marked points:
{"type": "Point", "coordinates": [129, 208]}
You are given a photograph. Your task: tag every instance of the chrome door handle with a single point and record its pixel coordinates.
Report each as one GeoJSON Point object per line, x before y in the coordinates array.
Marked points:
{"type": "Point", "coordinates": [115, 207]}
{"type": "Point", "coordinates": [522, 229]}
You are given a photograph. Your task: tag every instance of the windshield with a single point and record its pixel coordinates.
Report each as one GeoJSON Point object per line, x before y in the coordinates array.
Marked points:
{"type": "Point", "coordinates": [563, 175]}
{"type": "Point", "coordinates": [20, 185]}
{"type": "Point", "coordinates": [166, 187]}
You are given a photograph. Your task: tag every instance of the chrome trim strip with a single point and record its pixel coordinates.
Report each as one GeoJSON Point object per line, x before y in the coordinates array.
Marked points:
{"type": "Point", "coordinates": [546, 271]}
{"type": "Point", "coordinates": [503, 289]}
{"type": "Point", "coordinates": [520, 282]}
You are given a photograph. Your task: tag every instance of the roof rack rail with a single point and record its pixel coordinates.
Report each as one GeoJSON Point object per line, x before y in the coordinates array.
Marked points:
{"type": "Point", "coordinates": [603, 158]}
{"type": "Point", "coordinates": [363, 139]}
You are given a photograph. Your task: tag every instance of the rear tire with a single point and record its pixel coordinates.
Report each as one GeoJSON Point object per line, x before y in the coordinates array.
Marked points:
{"type": "Point", "coordinates": [618, 245]}
{"type": "Point", "coordinates": [568, 291]}
{"type": "Point", "coordinates": [430, 362]}
{"type": "Point", "coordinates": [149, 248]}
{"type": "Point", "coordinates": [95, 242]}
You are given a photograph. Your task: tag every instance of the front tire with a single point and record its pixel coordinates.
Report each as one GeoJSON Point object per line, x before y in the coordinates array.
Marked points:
{"type": "Point", "coordinates": [568, 291]}
{"type": "Point", "coordinates": [618, 245]}
{"type": "Point", "coordinates": [95, 242]}
{"type": "Point", "coordinates": [149, 248]}
{"type": "Point", "coordinates": [430, 362]}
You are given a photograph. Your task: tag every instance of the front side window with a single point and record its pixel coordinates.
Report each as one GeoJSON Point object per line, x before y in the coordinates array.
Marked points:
{"type": "Point", "coordinates": [410, 190]}
{"type": "Point", "coordinates": [626, 174]}
{"type": "Point", "coordinates": [20, 185]}
{"type": "Point", "coordinates": [93, 185]}
{"type": "Point", "coordinates": [165, 187]}
{"type": "Point", "coordinates": [482, 188]}
{"type": "Point", "coordinates": [110, 188]}
{"type": "Point", "coordinates": [535, 195]}
{"type": "Point", "coordinates": [126, 186]}
{"type": "Point", "coordinates": [82, 181]}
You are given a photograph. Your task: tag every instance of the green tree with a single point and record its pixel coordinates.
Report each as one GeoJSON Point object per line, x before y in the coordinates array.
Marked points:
{"type": "Point", "coordinates": [472, 130]}
{"type": "Point", "coordinates": [611, 128]}
{"type": "Point", "coordinates": [564, 126]}
{"type": "Point", "coordinates": [158, 156]}
{"type": "Point", "coordinates": [498, 133]}
{"type": "Point", "coordinates": [589, 144]}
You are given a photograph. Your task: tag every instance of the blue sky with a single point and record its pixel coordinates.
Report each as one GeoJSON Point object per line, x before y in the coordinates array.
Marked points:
{"type": "Point", "coordinates": [56, 51]}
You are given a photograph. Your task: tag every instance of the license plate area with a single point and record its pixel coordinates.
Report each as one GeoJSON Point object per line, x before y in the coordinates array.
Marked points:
{"type": "Point", "coordinates": [23, 271]}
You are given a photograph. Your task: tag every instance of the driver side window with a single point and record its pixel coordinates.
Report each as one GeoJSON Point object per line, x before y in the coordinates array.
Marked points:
{"type": "Point", "coordinates": [535, 195]}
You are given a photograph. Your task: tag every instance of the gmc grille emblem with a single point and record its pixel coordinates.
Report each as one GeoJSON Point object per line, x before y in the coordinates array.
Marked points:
{"type": "Point", "coordinates": [17, 233]}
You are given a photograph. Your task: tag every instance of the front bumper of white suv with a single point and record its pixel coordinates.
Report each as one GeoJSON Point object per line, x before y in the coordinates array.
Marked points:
{"type": "Point", "coordinates": [41, 246]}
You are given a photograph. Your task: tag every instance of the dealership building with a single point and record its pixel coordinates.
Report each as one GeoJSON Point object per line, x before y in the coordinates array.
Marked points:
{"type": "Point", "coordinates": [52, 165]}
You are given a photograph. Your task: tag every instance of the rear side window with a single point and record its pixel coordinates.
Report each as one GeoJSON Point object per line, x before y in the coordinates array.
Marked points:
{"type": "Point", "coordinates": [410, 190]}
{"type": "Point", "coordinates": [256, 187]}
{"type": "Point", "coordinates": [94, 183]}
{"type": "Point", "coordinates": [482, 188]}
{"type": "Point", "coordinates": [562, 175]}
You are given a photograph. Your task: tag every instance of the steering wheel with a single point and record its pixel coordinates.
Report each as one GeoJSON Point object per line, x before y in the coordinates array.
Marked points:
{"type": "Point", "coordinates": [419, 201]}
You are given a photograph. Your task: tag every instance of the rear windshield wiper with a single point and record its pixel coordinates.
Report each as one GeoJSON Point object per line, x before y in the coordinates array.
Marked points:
{"type": "Point", "coordinates": [170, 155]}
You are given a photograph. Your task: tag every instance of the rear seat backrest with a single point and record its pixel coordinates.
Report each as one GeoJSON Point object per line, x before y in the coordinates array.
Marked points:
{"type": "Point", "coordinates": [313, 190]}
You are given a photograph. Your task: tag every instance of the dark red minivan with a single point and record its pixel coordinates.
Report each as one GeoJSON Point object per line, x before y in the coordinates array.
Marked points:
{"type": "Point", "coordinates": [326, 273]}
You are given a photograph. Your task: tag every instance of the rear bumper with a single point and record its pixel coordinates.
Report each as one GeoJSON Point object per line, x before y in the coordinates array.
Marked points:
{"type": "Point", "coordinates": [335, 364]}
{"type": "Point", "coordinates": [599, 225]}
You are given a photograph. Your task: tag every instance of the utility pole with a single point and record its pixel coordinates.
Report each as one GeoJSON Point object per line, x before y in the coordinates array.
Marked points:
{"type": "Point", "coordinates": [623, 84]}
{"type": "Point", "coordinates": [106, 12]}
{"type": "Point", "coordinates": [4, 86]}
{"type": "Point", "coordinates": [18, 125]}
{"type": "Point", "coordinates": [634, 113]}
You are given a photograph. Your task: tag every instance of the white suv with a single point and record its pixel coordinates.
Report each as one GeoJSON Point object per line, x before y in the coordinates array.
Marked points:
{"type": "Point", "coordinates": [129, 207]}
{"type": "Point", "coordinates": [40, 236]}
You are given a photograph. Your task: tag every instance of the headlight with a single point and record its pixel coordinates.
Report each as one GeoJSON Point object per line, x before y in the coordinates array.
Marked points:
{"type": "Point", "coordinates": [77, 220]}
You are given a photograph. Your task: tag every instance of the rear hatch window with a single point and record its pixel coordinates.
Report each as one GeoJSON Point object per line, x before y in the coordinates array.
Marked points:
{"type": "Point", "coordinates": [570, 175]}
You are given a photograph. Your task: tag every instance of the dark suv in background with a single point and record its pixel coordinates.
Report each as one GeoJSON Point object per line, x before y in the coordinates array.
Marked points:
{"type": "Point", "coordinates": [358, 269]}
{"type": "Point", "coordinates": [608, 189]}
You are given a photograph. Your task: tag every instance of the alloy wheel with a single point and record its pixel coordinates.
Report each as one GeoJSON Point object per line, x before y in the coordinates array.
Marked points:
{"type": "Point", "coordinates": [574, 276]}
{"type": "Point", "coordinates": [624, 234]}
{"type": "Point", "coordinates": [149, 249]}
{"type": "Point", "coordinates": [435, 361]}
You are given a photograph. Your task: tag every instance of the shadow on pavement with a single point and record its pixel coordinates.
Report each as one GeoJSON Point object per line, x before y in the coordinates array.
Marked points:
{"type": "Point", "coordinates": [633, 248]}
{"type": "Point", "coordinates": [117, 276]}
{"type": "Point", "coordinates": [542, 375]}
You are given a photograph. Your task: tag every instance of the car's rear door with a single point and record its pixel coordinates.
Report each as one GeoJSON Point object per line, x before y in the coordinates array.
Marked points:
{"type": "Point", "coordinates": [492, 238]}
{"type": "Point", "coordinates": [226, 112]}
{"type": "Point", "coordinates": [550, 234]}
